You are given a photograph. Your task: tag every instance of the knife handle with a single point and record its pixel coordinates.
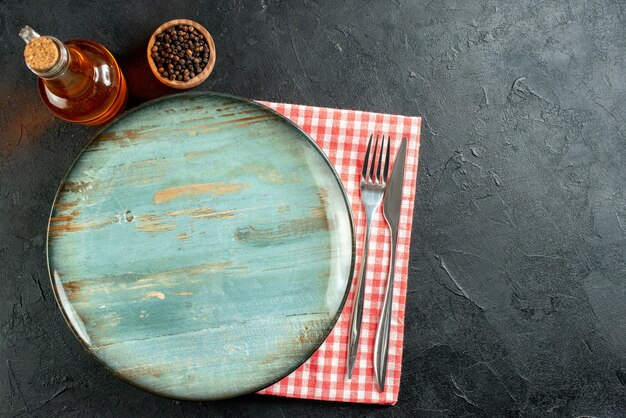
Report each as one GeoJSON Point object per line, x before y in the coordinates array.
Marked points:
{"type": "Point", "coordinates": [381, 344]}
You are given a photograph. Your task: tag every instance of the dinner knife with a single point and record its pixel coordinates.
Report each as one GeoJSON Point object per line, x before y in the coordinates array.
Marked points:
{"type": "Point", "coordinates": [392, 203]}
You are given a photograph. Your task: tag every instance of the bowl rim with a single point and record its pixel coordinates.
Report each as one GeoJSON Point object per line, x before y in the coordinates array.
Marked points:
{"type": "Point", "coordinates": [199, 78]}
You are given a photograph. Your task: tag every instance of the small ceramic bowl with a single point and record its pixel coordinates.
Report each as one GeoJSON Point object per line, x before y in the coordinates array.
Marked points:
{"type": "Point", "coordinates": [199, 78]}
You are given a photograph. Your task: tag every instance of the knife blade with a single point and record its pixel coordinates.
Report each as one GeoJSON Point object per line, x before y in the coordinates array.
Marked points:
{"type": "Point", "coordinates": [393, 193]}
{"type": "Point", "coordinates": [392, 203]}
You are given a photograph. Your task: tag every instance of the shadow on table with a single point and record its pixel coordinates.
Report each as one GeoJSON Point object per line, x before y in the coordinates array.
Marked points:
{"type": "Point", "coordinates": [142, 84]}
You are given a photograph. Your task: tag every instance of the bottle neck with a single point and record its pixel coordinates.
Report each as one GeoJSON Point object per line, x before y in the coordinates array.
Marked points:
{"type": "Point", "coordinates": [64, 70]}
{"type": "Point", "coordinates": [73, 77]}
{"type": "Point", "coordinates": [60, 67]}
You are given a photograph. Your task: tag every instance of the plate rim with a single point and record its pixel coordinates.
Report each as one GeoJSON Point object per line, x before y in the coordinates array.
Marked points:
{"type": "Point", "coordinates": [225, 96]}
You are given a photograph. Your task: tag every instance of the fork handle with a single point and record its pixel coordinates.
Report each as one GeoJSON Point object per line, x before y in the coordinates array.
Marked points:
{"type": "Point", "coordinates": [381, 344]}
{"type": "Point", "coordinates": [357, 306]}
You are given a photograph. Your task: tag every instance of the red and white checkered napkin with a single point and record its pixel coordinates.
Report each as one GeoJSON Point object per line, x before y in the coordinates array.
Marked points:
{"type": "Point", "coordinates": [343, 135]}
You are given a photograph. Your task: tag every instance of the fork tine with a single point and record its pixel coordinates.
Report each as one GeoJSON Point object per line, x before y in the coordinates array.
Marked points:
{"type": "Point", "coordinates": [386, 172]}
{"type": "Point", "coordinates": [380, 161]}
{"type": "Point", "coordinates": [367, 158]}
{"type": "Point", "coordinates": [373, 166]}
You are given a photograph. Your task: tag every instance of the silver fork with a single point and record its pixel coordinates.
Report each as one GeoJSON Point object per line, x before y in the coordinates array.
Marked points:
{"type": "Point", "coordinates": [373, 184]}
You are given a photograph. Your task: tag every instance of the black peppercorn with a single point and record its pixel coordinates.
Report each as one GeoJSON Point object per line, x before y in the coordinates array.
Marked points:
{"type": "Point", "coordinates": [180, 53]}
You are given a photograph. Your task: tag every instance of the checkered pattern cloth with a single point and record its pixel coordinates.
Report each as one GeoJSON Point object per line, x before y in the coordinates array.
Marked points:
{"type": "Point", "coordinates": [343, 135]}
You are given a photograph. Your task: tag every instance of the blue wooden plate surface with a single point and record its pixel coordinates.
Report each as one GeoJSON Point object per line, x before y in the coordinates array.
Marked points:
{"type": "Point", "coordinates": [201, 246]}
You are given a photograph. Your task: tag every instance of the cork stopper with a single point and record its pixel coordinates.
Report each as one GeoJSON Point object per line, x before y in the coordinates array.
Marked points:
{"type": "Point", "coordinates": [42, 54]}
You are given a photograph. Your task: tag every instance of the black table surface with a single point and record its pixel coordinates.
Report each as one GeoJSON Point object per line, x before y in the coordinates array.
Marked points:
{"type": "Point", "coordinates": [517, 287]}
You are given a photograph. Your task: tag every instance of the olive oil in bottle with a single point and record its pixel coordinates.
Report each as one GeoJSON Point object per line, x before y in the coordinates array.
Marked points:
{"type": "Point", "coordinates": [79, 80]}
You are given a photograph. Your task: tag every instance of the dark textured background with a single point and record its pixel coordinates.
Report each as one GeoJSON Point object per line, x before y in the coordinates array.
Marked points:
{"type": "Point", "coordinates": [517, 291]}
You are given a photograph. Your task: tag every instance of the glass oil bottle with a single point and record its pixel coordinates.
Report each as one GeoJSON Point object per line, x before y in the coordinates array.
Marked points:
{"type": "Point", "coordinates": [79, 80]}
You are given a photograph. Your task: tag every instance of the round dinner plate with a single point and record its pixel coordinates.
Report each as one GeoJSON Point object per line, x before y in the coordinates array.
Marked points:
{"type": "Point", "coordinates": [201, 246]}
